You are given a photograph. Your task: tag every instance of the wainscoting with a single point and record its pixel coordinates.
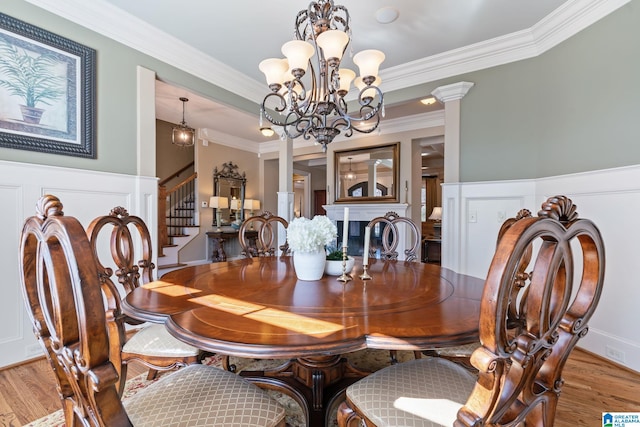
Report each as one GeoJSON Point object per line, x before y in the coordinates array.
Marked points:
{"type": "Point", "coordinates": [473, 212]}
{"type": "Point", "coordinates": [85, 195]}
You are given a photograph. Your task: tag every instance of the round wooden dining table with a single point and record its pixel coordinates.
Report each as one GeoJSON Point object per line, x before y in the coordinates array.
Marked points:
{"type": "Point", "coordinates": [257, 308]}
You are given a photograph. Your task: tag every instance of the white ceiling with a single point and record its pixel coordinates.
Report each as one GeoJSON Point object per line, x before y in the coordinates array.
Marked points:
{"type": "Point", "coordinates": [223, 42]}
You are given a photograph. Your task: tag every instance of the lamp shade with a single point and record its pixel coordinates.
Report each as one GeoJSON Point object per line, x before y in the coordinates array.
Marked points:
{"type": "Point", "coordinates": [298, 53]}
{"type": "Point", "coordinates": [368, 61]}
{"type": "Point", "coordinates": [332, 43]}
{"type": "Point", "coordinates": [218, 202]}
{"type": "Point", "coordinates": [346, 77]}
{"type": "Point", "coordinates": [235, 204]}
{"type": "Point", "coordinates": [436, 214]}
{"type": "Point", "coordinates": [252, 204]}
{"type": "Point", "coordinates": [274, 69]}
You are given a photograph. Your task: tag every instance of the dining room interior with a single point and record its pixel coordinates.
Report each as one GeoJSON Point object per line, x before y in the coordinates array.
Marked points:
{"type": "Point", "coordinates": [508, 119]}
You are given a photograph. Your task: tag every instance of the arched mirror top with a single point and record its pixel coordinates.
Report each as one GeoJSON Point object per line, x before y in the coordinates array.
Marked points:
{"type": "Point", "coordinates": [230, 183]}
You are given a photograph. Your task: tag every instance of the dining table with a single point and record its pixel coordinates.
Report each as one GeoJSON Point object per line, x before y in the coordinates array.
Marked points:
{"type": "Point", "coordinates": [257, 308]}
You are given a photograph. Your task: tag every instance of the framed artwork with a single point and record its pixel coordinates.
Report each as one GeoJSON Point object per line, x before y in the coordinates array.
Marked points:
{"type": "Point", "coordinates": [47, 91]}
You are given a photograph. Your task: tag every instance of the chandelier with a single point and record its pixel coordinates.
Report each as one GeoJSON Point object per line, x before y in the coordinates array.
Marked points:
{"type": "Point", "coordinates": [183, 135]}
{"type": "Point", "coordinates": [307, 96]}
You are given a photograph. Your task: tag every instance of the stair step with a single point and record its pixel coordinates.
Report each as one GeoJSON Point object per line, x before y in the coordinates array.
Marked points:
{"type": "Point", "coordinates": [178, 235]}
{"type": "Point", "coordinates": [179, 217]}
{"type": "Point", "coordinates": [161, 267]}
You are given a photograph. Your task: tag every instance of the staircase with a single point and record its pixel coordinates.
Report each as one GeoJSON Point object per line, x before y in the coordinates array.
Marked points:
{"type": "Point", "coordinates": [176, 220]}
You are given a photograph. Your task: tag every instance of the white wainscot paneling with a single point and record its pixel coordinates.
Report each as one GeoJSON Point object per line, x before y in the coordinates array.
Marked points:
{"type": "Point", "coordinates": [610, 198]}
{"type": "Point", "coordinates": [84, 195]}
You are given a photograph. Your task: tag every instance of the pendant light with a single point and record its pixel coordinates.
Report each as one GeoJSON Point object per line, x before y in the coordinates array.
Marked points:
{"type": "Point", "coordinates": [183, 135]}
{"type": "Point", "coordinates": [350, 175]}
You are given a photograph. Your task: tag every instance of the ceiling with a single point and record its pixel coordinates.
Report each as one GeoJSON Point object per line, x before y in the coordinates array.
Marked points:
{"type": "Point", "coordinates": [241, 33]}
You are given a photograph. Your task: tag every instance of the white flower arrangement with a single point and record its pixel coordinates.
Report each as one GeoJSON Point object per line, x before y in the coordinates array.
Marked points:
{"type": "Point", "coordinates": [307, 235]}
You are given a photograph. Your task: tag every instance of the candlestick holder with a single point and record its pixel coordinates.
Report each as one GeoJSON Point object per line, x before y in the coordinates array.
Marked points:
{"type": "Point", "coordinates": [344, 277]}
{"type": "Point", "coordinates": [365, 273]}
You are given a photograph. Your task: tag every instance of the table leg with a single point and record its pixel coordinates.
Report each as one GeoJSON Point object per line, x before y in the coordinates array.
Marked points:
{"type": "Point", "coordinates": [312, 381]}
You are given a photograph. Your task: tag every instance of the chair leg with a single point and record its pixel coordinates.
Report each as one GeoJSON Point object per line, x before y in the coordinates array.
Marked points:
{"type": "Point", "coordinates": [152, 374]}
{"type": "Point", "coordinates": [226, 366]}
{"type": "Point", "coordinates": [393, 354]}
{"type": "Point", "coordinates": [417, 354]}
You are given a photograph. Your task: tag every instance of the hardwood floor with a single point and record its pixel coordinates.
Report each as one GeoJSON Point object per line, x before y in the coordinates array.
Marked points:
{"type": "Point", "coordinates": [592, 386]}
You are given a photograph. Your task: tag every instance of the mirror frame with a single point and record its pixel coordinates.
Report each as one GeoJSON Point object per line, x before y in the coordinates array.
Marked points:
{"type": "Point", "coordinates": [230, 174]}
{"type": "Point", "coordinates": [392, 195]}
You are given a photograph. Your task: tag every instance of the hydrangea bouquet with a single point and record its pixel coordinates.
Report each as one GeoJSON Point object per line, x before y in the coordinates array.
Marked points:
{"type": "Point", "coordinates": [308, 235]}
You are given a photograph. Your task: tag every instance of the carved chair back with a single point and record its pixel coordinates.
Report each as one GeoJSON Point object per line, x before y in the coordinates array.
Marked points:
{"type": "Point", "coordinates": [520, 370]}
{"type": "Point", "coordinates": [391, 236]}
{"type": "Point", "coordinates": [131, 252]}
{"type": "Point", "coordinates": [258, 235]}
{"type": "Point", "coordinates": [61, 285]}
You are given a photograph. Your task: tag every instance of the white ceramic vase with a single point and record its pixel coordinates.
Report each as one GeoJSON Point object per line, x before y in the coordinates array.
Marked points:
{"type": "Point", "coordinates": [334, 267]}
{"type": "Point", "coordinates": [309, 265]}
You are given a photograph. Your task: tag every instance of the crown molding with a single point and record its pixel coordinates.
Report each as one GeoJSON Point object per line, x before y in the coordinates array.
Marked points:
{"type": "Point", "coordinates": [111, 22]}
{"type": "Point", "coordinates": [564, 22]}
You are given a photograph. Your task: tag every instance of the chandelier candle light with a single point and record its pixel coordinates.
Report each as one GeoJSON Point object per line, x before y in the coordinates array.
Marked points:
{"type": "Point", "coordinates": [308, 97]}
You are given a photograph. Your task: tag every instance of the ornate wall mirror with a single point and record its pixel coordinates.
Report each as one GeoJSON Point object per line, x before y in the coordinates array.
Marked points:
{"type": "Point", "coordinates": [231, 184]}
{"type": "Point", "coordinates": [367, 175]}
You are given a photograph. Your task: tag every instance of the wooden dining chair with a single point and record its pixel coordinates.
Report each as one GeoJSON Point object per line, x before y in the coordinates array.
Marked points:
{"type": "Point", "coordinates": [62, 291]}
{"type": "Point", "coordinates": [519, 376]}
{"type": "Point", "coordinates": [150, 344]}
{"type": "Point", "coordinates": [258, 235]}
{"type": "Point", "coordinates": [515, 316]}
{"type": "Point", "coordinates": [387, 228]}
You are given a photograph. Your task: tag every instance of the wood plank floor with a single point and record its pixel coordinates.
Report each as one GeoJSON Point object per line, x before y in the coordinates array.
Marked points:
{"type": "Point", "coordinates": [592, 386]}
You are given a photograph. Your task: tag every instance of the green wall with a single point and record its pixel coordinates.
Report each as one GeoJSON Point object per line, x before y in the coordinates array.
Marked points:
{"type": "Point", "coordinates": [116, 93]}
{"type": "Point", "coordinates": [575, 108]}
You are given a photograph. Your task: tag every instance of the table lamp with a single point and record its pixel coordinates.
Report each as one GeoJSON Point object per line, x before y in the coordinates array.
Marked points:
{"type": "Point", "coordinates": [218, 203]}
{"type": "Point", "coordinates": [252, 205]}
{"type": "Point", "coordinates": [436, 216]}
{"type": "Point", "coordinates": [236, 205]}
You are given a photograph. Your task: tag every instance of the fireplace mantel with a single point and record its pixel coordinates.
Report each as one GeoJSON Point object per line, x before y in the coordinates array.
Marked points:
{"type": "Point", "coordinates": [364, 211]}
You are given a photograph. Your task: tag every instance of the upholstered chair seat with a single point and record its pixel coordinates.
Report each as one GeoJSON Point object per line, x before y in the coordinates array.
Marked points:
{"type": "Point", "coordinates": [200, 395]}
{"type": "Point", "coordinates": [154, 340]}
{"type": "Point", "coordinates": [431, 387]}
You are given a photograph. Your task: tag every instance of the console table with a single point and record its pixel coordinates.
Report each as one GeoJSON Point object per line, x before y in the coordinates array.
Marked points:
{"type": "Point", "coordinates": [216, 249]}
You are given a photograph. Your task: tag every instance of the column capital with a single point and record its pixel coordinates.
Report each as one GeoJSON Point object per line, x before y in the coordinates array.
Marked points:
{"type": "Point", "coordinates": [452, 92]}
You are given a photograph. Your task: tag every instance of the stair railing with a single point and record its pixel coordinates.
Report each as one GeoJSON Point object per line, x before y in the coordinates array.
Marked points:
{"type": "Point", "coordinates": [167, 199]}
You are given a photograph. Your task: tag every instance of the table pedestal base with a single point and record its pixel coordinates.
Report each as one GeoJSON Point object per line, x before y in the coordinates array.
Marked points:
{"type": "Point", "coordinates": [314, 382]}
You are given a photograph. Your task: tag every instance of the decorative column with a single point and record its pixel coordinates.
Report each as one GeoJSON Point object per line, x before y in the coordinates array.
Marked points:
{"type": "Point", "coordinates": [285, 184]}
{"type": "Point", "coordinates": [451, 96]}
